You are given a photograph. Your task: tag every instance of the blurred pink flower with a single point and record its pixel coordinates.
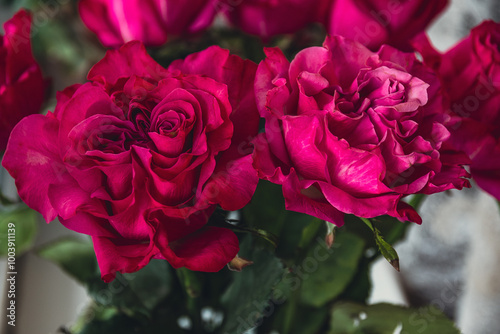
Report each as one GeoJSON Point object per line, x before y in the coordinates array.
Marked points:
{"type": "Point", "coordinates": [470, 75]}
{"type": "Point", "coordinates": [377, 22]}
{"type": "Point", "coordinates": [150, 21]}
{"type": "Point", "coordinates": [20, 76]}
{"type": "Point", "coordinates": [267, 18]}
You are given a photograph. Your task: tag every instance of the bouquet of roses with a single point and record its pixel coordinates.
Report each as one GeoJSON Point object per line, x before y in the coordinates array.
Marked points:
{"type": "Point", "coordinates": [236, 174]}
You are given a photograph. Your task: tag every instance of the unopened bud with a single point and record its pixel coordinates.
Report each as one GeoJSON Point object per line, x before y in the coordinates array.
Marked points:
{"type": "Point", "coordinates": [238, 263]}
{"type": "Point", "coordinates": [329, 240]}
{"type": "Point", "coordinates": [330, 235]}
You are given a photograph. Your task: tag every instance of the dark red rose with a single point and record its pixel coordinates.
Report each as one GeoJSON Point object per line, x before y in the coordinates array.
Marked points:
{"type": "Point", "coordinates": [139, 156]}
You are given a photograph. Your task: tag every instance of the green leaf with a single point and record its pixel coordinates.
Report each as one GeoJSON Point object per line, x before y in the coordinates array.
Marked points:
{"type": "Point", "coordinates": [385, 248]}
{"type": "Point", "coordinates": [119, 323]}
{"type": "Point", "coordinates": [267, 212]}
{"type": "Point", "coordinates": [19, 226]}
{"type": "Point", "coordinates": [311, 320]}
{"type": "Point", "coordinates": [91, 313]}
{"type": "Point", "coordinates": [267, 208]}
{"type": "Point", "coordinates": [135, 294]}
{"type": "Point", "coordinates": [308, 320]}
{"type": "Point", "coordinates": [297, 234]}
{"type": "Point", "coordinates": [360, 287]}
{"type": "Point", "coordinates": [351, 318]}
{"type": "Point", "coordinates": [152, 283]}
{"type": "Point", "coordinates": [246, 300]}
{"type": "Point", "coordinates": [325, 273]}
{"type": "Point", "coordinates": [98, 320]}
{"type": "Point", "coordinates": [75, 256]}
{"type": "Point", "coordinates": [310, 231]}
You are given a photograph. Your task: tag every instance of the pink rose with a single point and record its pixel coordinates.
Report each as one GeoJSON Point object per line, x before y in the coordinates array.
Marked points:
{"type": "Point", "coordinates": [377, 22]}
{"type": "Point", "coordinates": [139, 156]}
{"type": "Point", "coordinates": [352, 131]}
{"type": "Point", "coordinates": [267, 18]}
{"type": "Point", "coordinates": [150, 21]}
{"type": "Point", "coordinates": [470, 74]}
{"type": "Point", "coordinates": [19, 75]}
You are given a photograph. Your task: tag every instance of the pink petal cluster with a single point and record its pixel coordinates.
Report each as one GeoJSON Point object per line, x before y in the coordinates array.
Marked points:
{"type": "Point", "coordinates": [19, 75]}
{"type": "Point", "coordinates": [352, 131]}
{"type": "Point", "coordinates": [150, 21]}
{"type": "Point", "coordinates": [377, 22]}
{"type": "Point", "coordinates": [470, 75]}
{"type": "Point", "coordinates": [139, 156]}
{"type": "Point", "coordinates": [370, 22]}
{"type": "Point", "coordinates": [267, 18]}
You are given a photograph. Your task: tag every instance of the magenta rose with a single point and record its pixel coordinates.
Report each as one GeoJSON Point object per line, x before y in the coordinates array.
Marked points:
{"type": "Point", "coordinates": [149, 21]}
{"type": "Point", "coordinates": [377, 22]}
{"type": "Point", "coordinates": [267, 18]}
{"type": "Point", "coordinates": [139, 156]}
{"type": "Point", "coordinates": [470, 74]}
{"type": "Point", "coordinates": [352, 131]}
{"type": "Point", "coordinates": [19, 75]}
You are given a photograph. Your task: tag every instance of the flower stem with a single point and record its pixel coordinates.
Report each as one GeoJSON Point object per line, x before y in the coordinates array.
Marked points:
{"type": "Point", "coordinates": [192, 286]}
{"type": "Point", "coordinates": [291, 312]}
{"type": "Point", "coordinates": [257, 232]}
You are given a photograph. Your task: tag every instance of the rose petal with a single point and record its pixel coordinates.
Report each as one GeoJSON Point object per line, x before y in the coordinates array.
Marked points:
{"type": "Point", "coordinates": [131, 59]}
{"type": "Point", "coordinates": [35, 164]}
{"type": "Point", "coordinates": [209, 249]}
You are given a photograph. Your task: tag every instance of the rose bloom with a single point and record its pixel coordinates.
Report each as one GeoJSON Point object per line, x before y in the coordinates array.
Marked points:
{"type": "Point", "coordinates": [377, 22]}
{"type": "Point", "coordinates": [470, 74]}
{"type": "Point", "coordinates": [267, 18]}
{"type": "Point", "coordinates": [19, 75]}
{"type": "Point", "coordinates": [139, 156]}
{"type": "Point", "coordinates": [352, 131]}
{"type": "Point", "coordinates": [150, 21]}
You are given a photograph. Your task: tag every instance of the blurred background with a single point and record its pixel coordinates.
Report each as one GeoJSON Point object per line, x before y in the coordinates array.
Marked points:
{"type": "Point", "coordinates": [432, 271]}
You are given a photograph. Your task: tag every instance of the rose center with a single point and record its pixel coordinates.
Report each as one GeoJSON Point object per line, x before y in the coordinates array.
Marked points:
{"type": "Point", "coordinates": [140, 118]}
{"type": "Point", "coordinates": [169, 123]}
